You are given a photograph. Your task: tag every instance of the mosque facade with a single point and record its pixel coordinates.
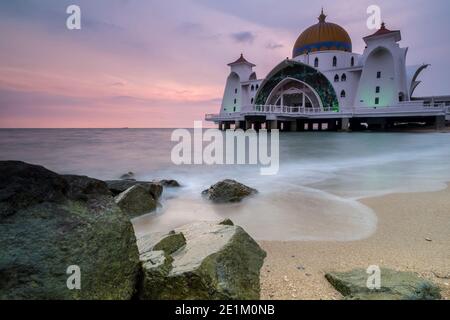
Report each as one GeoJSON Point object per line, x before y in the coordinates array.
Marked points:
{"type": "Point", "coordinates": [327, 86]}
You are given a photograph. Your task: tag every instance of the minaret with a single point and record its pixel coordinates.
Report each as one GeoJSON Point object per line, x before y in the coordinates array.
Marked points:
{"type": "Point", "coordinates": [242, 68]}
{"type": "Point", "coordinates": [233, 97]}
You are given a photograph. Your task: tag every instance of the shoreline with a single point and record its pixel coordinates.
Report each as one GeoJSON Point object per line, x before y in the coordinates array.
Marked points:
{"type": "Point", "coordinates": [406, 224]}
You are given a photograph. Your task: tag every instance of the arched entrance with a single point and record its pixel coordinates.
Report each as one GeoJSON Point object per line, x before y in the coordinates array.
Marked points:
{"type": "Point", "coordinates": [294, 93]}
{"type": "Point", "coordinates": [294, 80]}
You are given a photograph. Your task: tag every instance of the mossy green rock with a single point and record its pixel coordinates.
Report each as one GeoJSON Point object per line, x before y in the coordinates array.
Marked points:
{"type": "Point", "coordinates": [395, 285]}
{"type": "Point", "coordinates": [227, 191]}
{"type": "Point", "coordinates": [136, 201]}
{"type": "Point", "coordinates": [49, 222]}
{"type": "Point", "coordinates": [218, 262]}
{"type": "Point", "coordinates": [171, 243]}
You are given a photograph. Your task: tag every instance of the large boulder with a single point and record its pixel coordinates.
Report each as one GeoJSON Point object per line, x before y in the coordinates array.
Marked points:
{"type": "Point", "coordinates": [228, 191]}
{"type": "Point", "coordinates": [136, 201]}
{"type": "Point", "coordinates": [203, 260]}
{"type": "Point", "coordinates": [49, 222]}
{"type": "Point", "coordinates": [119, 186]}
{"type": "Point", "coordinates": [395, 285]}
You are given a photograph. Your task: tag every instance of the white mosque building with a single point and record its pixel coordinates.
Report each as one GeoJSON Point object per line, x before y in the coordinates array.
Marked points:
{"type": "Point", "coordinates": [326, 86]}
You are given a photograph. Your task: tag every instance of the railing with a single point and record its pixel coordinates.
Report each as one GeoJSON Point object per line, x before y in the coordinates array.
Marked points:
{"type": "Point", "coordinates": [287, 109]}
{"type": "Point", "coordinates": [402, 107]}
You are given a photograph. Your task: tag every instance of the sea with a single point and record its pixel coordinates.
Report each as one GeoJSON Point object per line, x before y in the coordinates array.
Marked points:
{"type": "Point", "coordinates": [313, 197]}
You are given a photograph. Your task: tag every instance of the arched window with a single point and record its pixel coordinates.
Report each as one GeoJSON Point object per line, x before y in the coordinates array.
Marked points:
{"type": "Point", "coordinates": [257, 86]}
{"type": "Point", "coordinates": [334, 61]}
{"type": "Point", "coordinates": [344, 77]}
{"type": "Point", "coordinates": [343, 94]}
{"type": "Point", "coordinates": [352, 61]}
{"type": "Point", "coordinates": [252, 100]}
{"type": "Point", "coordinates": [316, 62]}
{"type": "Point", "coordinates": [235, 90]}
{"type": "Point", "coordinates": [253, 88]}
{"type": "Point", "coordinates": [401, 97]}
{"type": "Point", "coordinates": [235, 101]}
{"type": "Point", "coordinates": [336, 78]}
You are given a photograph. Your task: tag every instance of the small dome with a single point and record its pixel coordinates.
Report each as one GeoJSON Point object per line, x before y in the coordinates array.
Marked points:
{"type": "Point", "coordinates": [322, 36]}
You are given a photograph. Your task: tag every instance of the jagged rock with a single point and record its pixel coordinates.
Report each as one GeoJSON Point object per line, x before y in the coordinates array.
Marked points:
{"type": "Point", "coordinates": [49, 222]}
{"type": "Point", "coordinates": [227, 222]}
{"type": "Point", "coordinates": [170, 183]}
{"type": "Point", "coordinates": [127, 176]}
{"type": "Point", "coordinates": [217, 261]}
{"type": "Point", "coordinates": [136, 201]}
{"type": "Point", "coordinates": [228, 191]}
{"type": "Point", "coordinates": [119, 186]}
{"type": "Point", "coordinates": [395, 285]}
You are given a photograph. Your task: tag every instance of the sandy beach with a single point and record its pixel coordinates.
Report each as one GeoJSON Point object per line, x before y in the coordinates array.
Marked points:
{"type": "Point", "coordinates": [412, 235]}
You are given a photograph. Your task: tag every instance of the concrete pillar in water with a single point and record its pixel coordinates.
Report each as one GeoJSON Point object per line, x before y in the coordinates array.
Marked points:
{"type": "Point", "coordinates": [383, 124]}
{"type": "Point", "coordinates": [300, 125]}
{"type": "Point", "coordinates": [294, 126]}
{"type": "Point", "coordinates": [273, 124]}
{"type": "Point", "coordinates": [440, 122]}
{"type": "Point", "coordinates": [332, 125]}
{"type": "Point", "coordinates": [345, 124]}
{"type": "Point", "coordinates": [237, 125]}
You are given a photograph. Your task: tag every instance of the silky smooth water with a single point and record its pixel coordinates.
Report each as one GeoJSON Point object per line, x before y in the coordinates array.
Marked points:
{"type": "Point", "coordinates": [313, 197]}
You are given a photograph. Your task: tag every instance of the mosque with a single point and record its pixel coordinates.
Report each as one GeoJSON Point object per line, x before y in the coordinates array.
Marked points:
{"type": "Point", "coordinates": [326, 86]}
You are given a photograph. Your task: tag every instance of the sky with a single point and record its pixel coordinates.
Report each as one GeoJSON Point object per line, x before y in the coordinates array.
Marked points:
{"type": "Point", "coordinates": [163, 64]}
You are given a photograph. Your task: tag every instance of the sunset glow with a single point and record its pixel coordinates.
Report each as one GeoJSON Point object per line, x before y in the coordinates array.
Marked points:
{"type": "Point", "coordinates": [164, 63]}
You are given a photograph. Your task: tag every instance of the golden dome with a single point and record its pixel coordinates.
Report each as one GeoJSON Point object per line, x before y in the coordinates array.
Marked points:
{"type": "Point", "coordinates": [322, 36]}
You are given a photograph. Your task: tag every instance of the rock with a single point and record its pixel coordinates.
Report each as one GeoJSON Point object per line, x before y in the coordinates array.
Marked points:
{"type": "Point", "coordinates": [227, 222]}
{"type": "Point", "coordinates": [228, 191]}
{"type": "Point", "coordinates": [136, 201]}
{"type": "Point", "coordinates": [216, 262]}
{"type": "Point", "coordinates": [23, 185]}
{"type": "Point", "coordinates": [127, 176]}
{"type": "Point", "coordinates": [170, 244]}
{"type": "Point", "coordinates": [170, 183]}
{"type": "Point", "coordinates": [395, 285]}
{"type": "Point", "coordinates": [83, 188]}
{"type": "Point", "coordinates": [49, 222]}
{"type": "Point", "coordinates": [119, 186]}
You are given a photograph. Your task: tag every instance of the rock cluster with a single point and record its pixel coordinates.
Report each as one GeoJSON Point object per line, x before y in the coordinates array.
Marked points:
{"type": "Point", "coordinates": [50, 223]}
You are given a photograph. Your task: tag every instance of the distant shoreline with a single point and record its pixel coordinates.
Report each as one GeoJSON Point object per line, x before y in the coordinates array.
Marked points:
{"type": "Point", "coordinates": [406, 130]}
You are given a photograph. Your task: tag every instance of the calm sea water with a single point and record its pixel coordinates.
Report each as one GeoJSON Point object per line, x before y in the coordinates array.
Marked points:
{"type": "Point", "coordinates": [313, 197]}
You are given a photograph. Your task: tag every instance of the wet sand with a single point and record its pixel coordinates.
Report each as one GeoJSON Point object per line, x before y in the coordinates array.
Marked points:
{"type": "Point", "coordinates": [413, 234]}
